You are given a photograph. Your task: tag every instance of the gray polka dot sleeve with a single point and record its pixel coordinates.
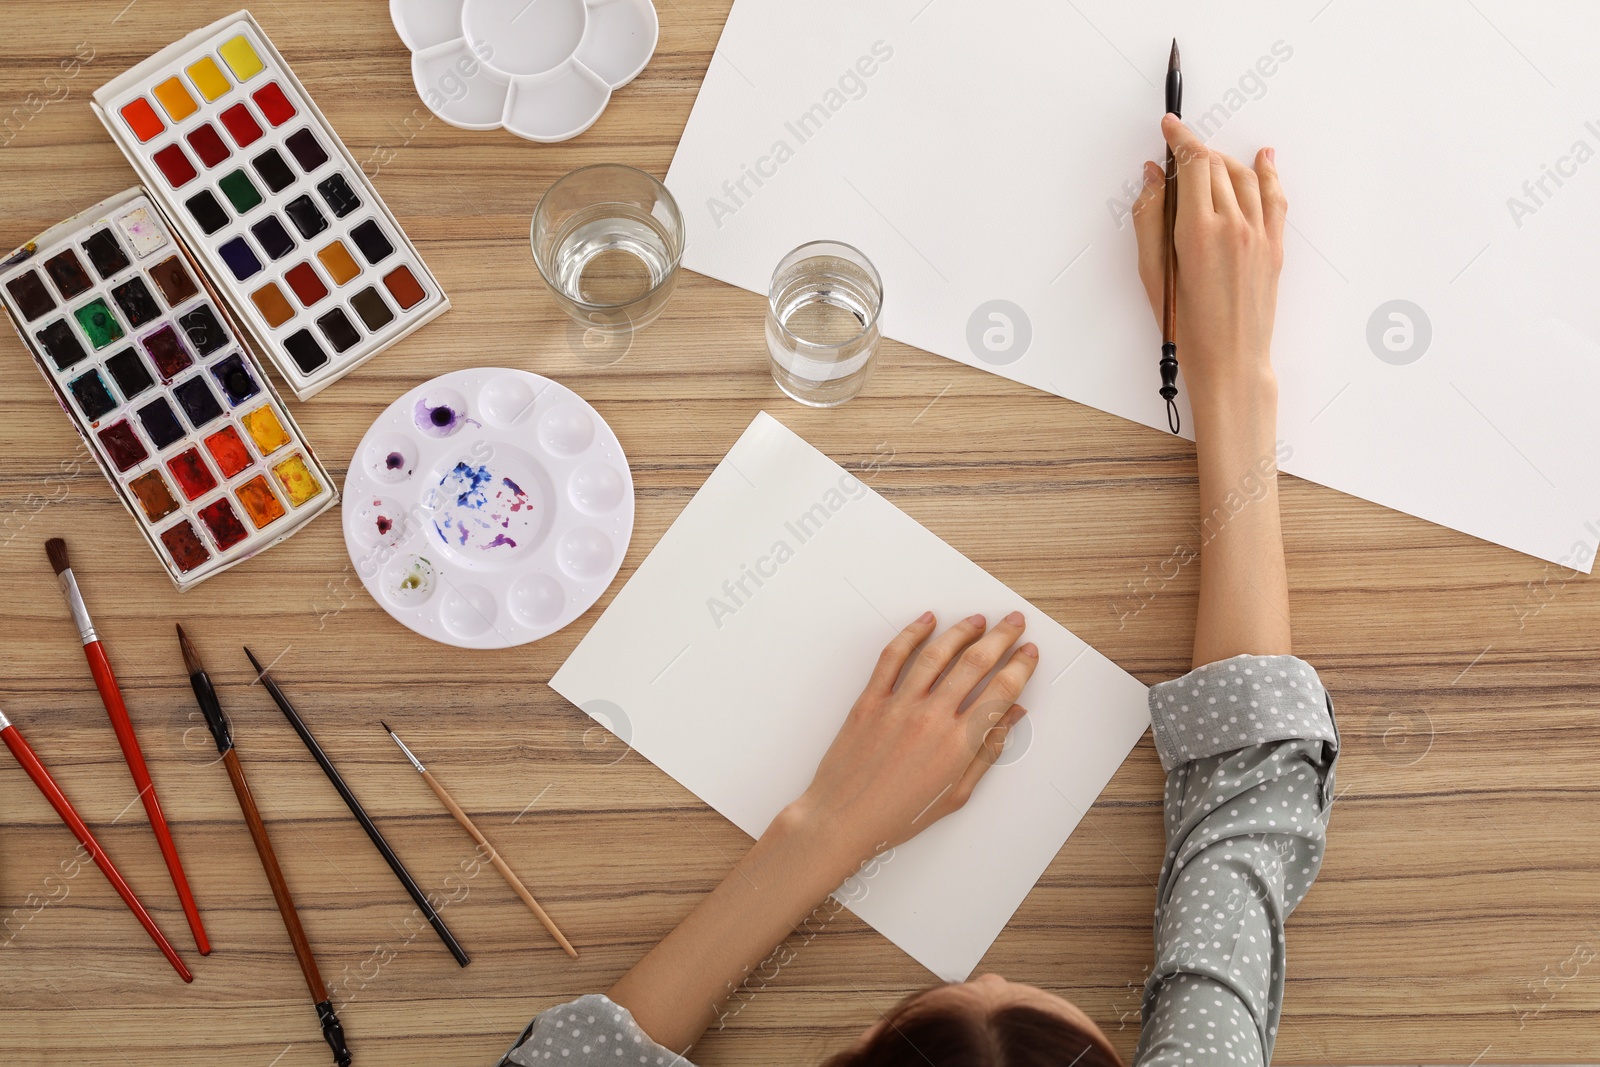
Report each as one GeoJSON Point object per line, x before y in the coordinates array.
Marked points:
{"type": "Point", "coordinates": [589, 1032]}
{"type": "Point", "coordinates": [1248, 745]}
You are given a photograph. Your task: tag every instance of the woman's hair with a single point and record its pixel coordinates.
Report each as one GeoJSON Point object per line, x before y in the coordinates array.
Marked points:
{"type": "Point", "coordinates": [917, 1035]}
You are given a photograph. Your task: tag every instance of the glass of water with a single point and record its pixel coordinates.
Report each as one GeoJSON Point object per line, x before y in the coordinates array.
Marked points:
{"type": "Point", "coordinates": [822, 322]}
{"type": "Point", "coordinates": [608, 240]}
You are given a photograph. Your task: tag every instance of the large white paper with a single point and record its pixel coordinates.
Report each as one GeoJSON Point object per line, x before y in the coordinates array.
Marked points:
{"type": "Point", "coordinates": [731, 657]}
{"type": "Point", "coordinates": [1436, 152]}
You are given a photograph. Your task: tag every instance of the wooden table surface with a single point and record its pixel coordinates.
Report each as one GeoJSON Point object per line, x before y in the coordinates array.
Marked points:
{"type": "Point", "coordinates": [1455, 920]}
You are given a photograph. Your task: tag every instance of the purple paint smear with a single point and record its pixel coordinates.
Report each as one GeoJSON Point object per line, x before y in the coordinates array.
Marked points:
{"type": "Point", "coordinates": [440, 420]}
{"type": "Point", "coordinates": [479, 503]}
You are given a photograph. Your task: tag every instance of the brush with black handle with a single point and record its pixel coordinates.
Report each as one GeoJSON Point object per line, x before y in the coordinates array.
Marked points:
{"type": "Point", "coordinates": [222, 733]}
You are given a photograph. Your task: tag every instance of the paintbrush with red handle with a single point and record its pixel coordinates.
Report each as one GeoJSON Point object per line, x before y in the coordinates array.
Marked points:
{"type": "Point", "coordinates": [58, 800]}
{"type": "Point", "coordinates": [111, 695]}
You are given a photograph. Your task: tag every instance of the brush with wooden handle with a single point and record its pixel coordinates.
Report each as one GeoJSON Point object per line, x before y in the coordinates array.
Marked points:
{"type": "Point", "coordinates": [477, 835]}
{"type": "Point", "coordinates": [222, 733]}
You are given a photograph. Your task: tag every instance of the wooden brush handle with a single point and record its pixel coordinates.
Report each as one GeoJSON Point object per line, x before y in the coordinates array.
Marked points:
{"type": "Point", "coordinates": [280, 888]}
{"type": "Point", "coordinates": [499, 864]}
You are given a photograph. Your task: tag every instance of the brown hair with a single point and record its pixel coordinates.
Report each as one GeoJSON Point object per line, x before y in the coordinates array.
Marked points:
{"type": "Point", "coordinates": [1019, 1036]}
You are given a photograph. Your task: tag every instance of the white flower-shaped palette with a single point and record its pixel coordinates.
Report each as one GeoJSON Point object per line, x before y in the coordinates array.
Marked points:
{"type": "Point", "coordinates": [488, 508]}
{"type": "Point", "coordinates": [543, 69]}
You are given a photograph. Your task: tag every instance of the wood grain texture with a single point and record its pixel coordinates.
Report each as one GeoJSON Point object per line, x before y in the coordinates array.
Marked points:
{"type": "Point", "coordinates": [1455, 919]}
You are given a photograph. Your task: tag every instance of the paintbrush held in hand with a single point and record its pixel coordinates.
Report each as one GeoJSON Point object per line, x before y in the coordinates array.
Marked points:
{"type": "Point", "coordinates": [1169, 273]}
{"type": "Point", "coordinates": [111, 695]}
{"type": "Point", "coordinates": [222, 733]}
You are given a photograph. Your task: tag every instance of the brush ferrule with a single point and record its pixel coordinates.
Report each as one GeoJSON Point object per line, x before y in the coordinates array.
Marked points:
{"type": "Point", "coordinates": [80, 612]}
{"type": "Point", "coordinates": [415, 762]}
{"type": "Point", "coordinates": [4, 722]}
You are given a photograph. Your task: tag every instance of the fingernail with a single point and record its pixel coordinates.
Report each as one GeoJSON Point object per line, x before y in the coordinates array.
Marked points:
{"type": "Point", "coordinates": [1015, 618]}
{"type": "Point", "coordinates": [976, 620]}
{"type": "Point", "coordinates": [1030, 650]}
{"type": "Point", "coordinates": [1152, 172]}
{"type": "Point", "coordinates": [923, 619]}
{"type": "Point", "coordinates": [1272, 155]}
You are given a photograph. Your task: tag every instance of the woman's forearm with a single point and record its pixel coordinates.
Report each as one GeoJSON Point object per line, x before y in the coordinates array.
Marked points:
{"type": "Point", "coordinates": [905, 758]}
{"type": "Point", "coordinates": [676, 991]}
{"type": "Point", "coordinates": [1244, 587]}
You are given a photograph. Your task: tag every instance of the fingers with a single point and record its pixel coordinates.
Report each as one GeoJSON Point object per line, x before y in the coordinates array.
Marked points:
{"type": "Point", "coordinates": [892, 660]}
{"type": "Point", "coordinates": [1223, 200]}
{"type": "Point", "coordinates": [1274, 206]}
{"type": "Point", "coordinates": [1149, 227]}
{"type": "Point", "coordinates": [1008, 682]}
{"type": "Point", "coordinates": [939, 653]}
{"type": "Point", "coordinates": [979, 659]}
{"type": "Point", "coordinates": [1246, 189]}
{"type": "Point", "coordinates": [1194, 169]}
{"type": "Point", "coordinates": [994, 742]}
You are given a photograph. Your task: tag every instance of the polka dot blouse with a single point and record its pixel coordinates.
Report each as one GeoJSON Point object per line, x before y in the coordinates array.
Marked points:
{"type": "Point", "coordinates": [1249, 746]}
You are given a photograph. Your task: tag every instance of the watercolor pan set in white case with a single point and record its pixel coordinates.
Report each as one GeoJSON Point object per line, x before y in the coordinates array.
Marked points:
{"type": "Point", "coordinates": [310, 258]}
{"type": "Point", "coordinates": [151, 369]}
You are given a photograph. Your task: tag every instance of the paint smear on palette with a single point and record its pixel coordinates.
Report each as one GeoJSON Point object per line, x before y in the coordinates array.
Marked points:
{"type": "Point", "coordinates": [413, 581]}
{"type": "Point", "coordinates": [441, 420]}
{"type": "Point", "coordinates": [482, 510]}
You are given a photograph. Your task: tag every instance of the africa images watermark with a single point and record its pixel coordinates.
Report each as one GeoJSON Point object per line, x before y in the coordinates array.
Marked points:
{"type": "Point", "coordinates": [739, 590]}
{"type": "Point", "coordinates": [850, 85]}
{"type": "Point", "coordinates": [1249, 86]}
{"type": "Point", "coordinates": [1537, 192]}
{"type": "Point", "coordinates": [1253, 487]}
{"type": "Point", "coordinates": [448, 87]}
{"type": "Point", "coordinates": [1543, 592]}
{"type": "Point", "coordinates": [53, 90]}
{"type": "Point", "coordinates": [854, 891]}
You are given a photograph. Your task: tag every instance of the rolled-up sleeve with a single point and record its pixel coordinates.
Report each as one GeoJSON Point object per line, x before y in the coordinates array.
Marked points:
{"type": "Point", "coordinates": [1249, 746]}
{"type": "Point", "coordinates": [589, 1032]}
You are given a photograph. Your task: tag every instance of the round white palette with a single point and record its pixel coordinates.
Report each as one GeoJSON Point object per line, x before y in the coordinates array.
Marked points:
{"type": "Point", "coordinates": [488, 508]}
{"type": "Point", "coordinates": [543, 69]}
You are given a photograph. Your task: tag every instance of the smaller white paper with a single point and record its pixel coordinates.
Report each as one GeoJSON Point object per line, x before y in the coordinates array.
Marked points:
{"type": "Point", "coordinates": [733, 654]}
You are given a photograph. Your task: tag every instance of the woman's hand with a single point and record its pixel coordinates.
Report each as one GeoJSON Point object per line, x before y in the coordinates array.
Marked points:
{"type": "Point", "coordinates": [908, 755]}
{"type": "Point", "coordinates": [1229, 239]}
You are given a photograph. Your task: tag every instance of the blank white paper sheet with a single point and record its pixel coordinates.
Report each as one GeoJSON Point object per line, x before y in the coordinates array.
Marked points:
{"type": "Point", "coordinates": [731, 657]}
{"type": "Point", "coordinates": [1438, 338]}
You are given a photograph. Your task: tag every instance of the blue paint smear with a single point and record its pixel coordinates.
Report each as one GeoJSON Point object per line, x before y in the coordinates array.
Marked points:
{"type": "Point", "coordinates": [475, 485]}
{"type": "Point", "coordinates": [474, 478]}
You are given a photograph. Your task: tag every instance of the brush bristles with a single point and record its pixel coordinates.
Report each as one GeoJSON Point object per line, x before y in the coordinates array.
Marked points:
{"type": "Point", "coordinates": [1172, 60]}
{"type": "Point", "coordinates": [56, 549]}
{"type": "Point", "coordinates": [191, 658]}
{"type": "Point", "coordinates": [385, 727]}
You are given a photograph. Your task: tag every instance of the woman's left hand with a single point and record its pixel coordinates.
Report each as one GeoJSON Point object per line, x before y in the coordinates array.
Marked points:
{"type": "Point", "coordinates": [908, 755]}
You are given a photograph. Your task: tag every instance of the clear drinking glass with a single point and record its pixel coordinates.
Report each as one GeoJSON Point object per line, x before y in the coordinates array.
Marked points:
{"type": "Point", "coordinates": [608, 240]}
{"type": "Point", "coordinates": [822, 322]}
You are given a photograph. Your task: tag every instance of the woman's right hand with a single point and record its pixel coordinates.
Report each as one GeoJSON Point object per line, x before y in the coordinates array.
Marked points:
{"type": "Point", "coordinates": [1229, 239]}
{"type": "Point", "coordinates": [908, 755]}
